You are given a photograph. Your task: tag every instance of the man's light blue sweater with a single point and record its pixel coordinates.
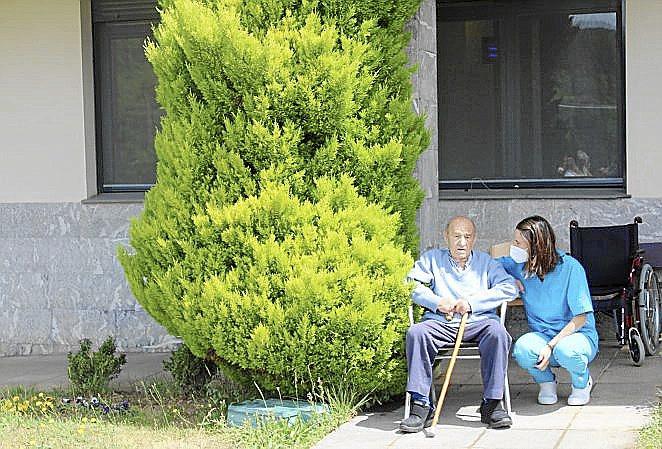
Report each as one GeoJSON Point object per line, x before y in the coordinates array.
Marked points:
{"type": "Point", "coordinates": [483, 283]}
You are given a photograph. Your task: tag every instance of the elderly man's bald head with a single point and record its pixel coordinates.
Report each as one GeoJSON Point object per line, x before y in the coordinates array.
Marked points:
{"type": "Point", "coordinates": [460, 236]}
{"type": "Point", "coordinates": [461, 219]}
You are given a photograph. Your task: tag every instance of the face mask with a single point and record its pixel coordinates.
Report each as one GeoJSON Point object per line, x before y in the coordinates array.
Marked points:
{"type": "Point", "coordinates": [518, 254]}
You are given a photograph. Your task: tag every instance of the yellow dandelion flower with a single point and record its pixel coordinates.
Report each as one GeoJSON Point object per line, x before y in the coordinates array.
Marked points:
{"type": "Point", "coordinates": [15, 398]}
{"type": "Point", "coordinates": [93, 420]}
{"type": "Point", "coordinates": [41, 395]}
{"type": "Point", "coordinates": [81, 430]}
{"type": "Point", "coordinates": [84, 419]}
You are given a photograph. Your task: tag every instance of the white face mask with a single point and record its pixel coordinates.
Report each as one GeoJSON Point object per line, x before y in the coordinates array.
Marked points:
{"type": "Point", "coordinates": [518, 254]}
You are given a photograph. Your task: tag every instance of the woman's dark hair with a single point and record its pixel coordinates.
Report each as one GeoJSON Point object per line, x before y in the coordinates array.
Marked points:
{"type": "Point", "coordinates": [543, 257]}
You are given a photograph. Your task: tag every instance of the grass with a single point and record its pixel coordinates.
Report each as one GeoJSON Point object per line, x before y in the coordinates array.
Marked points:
{"type": "Point", "coordinates": [277, 434]}
{"type": "Point", "coordinates": [158, 417]}
{"type": "Point", "coordinates": [25, 432]}
{"type": "Point", "coordinates": [650, 437]}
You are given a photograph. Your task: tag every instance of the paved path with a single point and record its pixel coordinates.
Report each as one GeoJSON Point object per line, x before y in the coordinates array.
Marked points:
{"type": "Point", "coordinates": [620, 405]}
{"type": "Point", "coordinates": [50, 371]}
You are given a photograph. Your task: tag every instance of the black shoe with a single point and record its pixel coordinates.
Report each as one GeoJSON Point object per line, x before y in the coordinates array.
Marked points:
{"type": "Point", "coordinates": [493, 414]}
{"type": "Point", "coordinates": [420, 416]}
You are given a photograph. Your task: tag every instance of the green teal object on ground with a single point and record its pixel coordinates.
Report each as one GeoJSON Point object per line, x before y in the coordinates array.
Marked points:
{"type": "Point", "coordinates": [258, 410]}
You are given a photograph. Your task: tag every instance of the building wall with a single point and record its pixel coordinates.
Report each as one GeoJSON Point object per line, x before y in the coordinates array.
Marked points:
{"type": "Point", "coordinates": [643, 98]}
{"type": "Point", "coordinates": [423, 51]}
{"type": "Point", "coordinates": [496, 218]}
{"type": "Point", "coordinates": [59, 278]}
{"type": "Point", "coordinates": [42, 122]}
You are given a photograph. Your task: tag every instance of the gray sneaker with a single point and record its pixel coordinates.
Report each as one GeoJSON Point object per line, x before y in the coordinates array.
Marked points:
{"type": "Point", "coordinates": [493, 414]}
{"type": "Point", "coordinates": [420, 417]}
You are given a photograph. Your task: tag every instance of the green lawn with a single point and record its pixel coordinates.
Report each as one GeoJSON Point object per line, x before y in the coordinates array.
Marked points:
{"type": "Point", "coordinates": [25, 432]}
{"type": "Point", "coordinates": [158, 417]}
{"type": "Point", "coordinates": [650, 437]}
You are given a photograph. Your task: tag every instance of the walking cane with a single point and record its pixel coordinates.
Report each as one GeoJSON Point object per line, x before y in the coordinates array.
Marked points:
{"type": "Point", "coordinates": [449, 371]}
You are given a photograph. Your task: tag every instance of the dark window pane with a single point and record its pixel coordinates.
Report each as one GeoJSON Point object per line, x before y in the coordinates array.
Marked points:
{"type": "Point", "coordinates": [530, 92]}
{"type": "Point", "coordinates": [469, 103]}
{"type": "Point", "coordinates": [570, 85]}
{"type": "Point", "coordinates": [128, 113]}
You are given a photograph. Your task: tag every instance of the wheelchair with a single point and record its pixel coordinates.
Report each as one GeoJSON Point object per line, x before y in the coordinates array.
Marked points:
{"type": "Point", "coordinates": [622, 283]}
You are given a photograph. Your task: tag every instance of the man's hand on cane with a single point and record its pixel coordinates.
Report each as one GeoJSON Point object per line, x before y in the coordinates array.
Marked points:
{"type": "Point", "coordinates": [462, 306]}
{"type": "Point", "coordinates": [446, 305]}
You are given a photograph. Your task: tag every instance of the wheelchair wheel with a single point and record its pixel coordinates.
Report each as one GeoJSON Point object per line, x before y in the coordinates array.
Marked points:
{"type": "Point", "coordinates": [649, 310]}
{"type": "Point", "coordinates": [637, 351]}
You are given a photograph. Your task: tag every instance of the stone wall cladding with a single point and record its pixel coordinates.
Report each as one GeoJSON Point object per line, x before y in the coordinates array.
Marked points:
{"type": "Point", "coordinates": [60, 280]}
{"type": "Point", "coordinates": [423, 53]}
{"type": "Point", "coordinates": [496, 220]}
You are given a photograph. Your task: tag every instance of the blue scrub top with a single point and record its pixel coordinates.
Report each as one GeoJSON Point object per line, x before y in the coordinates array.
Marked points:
{"type": "Point", "coordinates": [551, 304]}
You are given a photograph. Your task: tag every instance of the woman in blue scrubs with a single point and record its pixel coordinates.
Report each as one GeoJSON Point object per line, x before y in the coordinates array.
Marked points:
{"type": "Point", "coordinates": [558, 309]}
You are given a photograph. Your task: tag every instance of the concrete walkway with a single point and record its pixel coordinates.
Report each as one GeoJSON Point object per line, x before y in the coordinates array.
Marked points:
{"type": "Point", "coordinates": [621, 401]}
{"type": "Point", "coordinates": [46, 372]}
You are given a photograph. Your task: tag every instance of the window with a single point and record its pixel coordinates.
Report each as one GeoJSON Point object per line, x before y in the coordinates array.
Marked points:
{"type": "Point", "coordinates": [530, 94]}
{"type": "Point", "coordinates": [126, 110]}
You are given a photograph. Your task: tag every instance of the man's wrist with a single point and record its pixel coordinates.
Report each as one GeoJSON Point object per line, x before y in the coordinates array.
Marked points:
{"type": "Point", "coordinates": [550, 346]}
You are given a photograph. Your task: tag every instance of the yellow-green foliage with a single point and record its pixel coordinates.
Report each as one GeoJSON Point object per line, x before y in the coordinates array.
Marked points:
{"type": "Point", "coordinates": [282, 224]}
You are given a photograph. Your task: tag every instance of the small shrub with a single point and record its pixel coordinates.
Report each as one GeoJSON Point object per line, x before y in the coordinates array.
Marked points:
{"type": "Point", "coordinates": [90, 372]}
{"type": "Point", "coordinates": [190, 372]}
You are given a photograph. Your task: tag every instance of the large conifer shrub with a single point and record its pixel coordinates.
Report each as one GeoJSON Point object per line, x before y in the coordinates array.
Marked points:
{"type": "Point", "coordinates": [282, 224]}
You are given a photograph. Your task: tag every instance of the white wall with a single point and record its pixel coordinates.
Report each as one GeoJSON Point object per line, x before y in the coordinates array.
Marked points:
{"type": "Point", "coordinates": [46, 100]}
{"type": "Point", "coordinates": [643, 107]}
{"type": "Point", "coordinates": [42, 112]}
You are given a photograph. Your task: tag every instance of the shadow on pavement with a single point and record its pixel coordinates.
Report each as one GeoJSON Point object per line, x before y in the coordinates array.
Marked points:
{"type": "Point", "coordinates": [617, 383]}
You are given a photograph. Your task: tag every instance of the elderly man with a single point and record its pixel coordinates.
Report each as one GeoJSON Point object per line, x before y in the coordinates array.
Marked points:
{"type": "Point", "coordinates": [451, 282]}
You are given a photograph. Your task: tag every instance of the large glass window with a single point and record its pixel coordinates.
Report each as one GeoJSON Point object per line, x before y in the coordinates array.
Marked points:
{"type": "Point", "coordinates": [530, 94]}
{"type": "Point", "coordinates": [126, 109]}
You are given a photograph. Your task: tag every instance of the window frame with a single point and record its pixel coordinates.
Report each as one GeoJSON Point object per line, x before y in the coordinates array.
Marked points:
{"type": "Point", "coordinates": [456, 10]}
{"type": "Point", "coordinates": [104, 12]}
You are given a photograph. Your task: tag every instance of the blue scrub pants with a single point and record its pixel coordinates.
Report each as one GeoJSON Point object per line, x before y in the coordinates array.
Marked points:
{"type": "Point", "coordinates": [572, 353]}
